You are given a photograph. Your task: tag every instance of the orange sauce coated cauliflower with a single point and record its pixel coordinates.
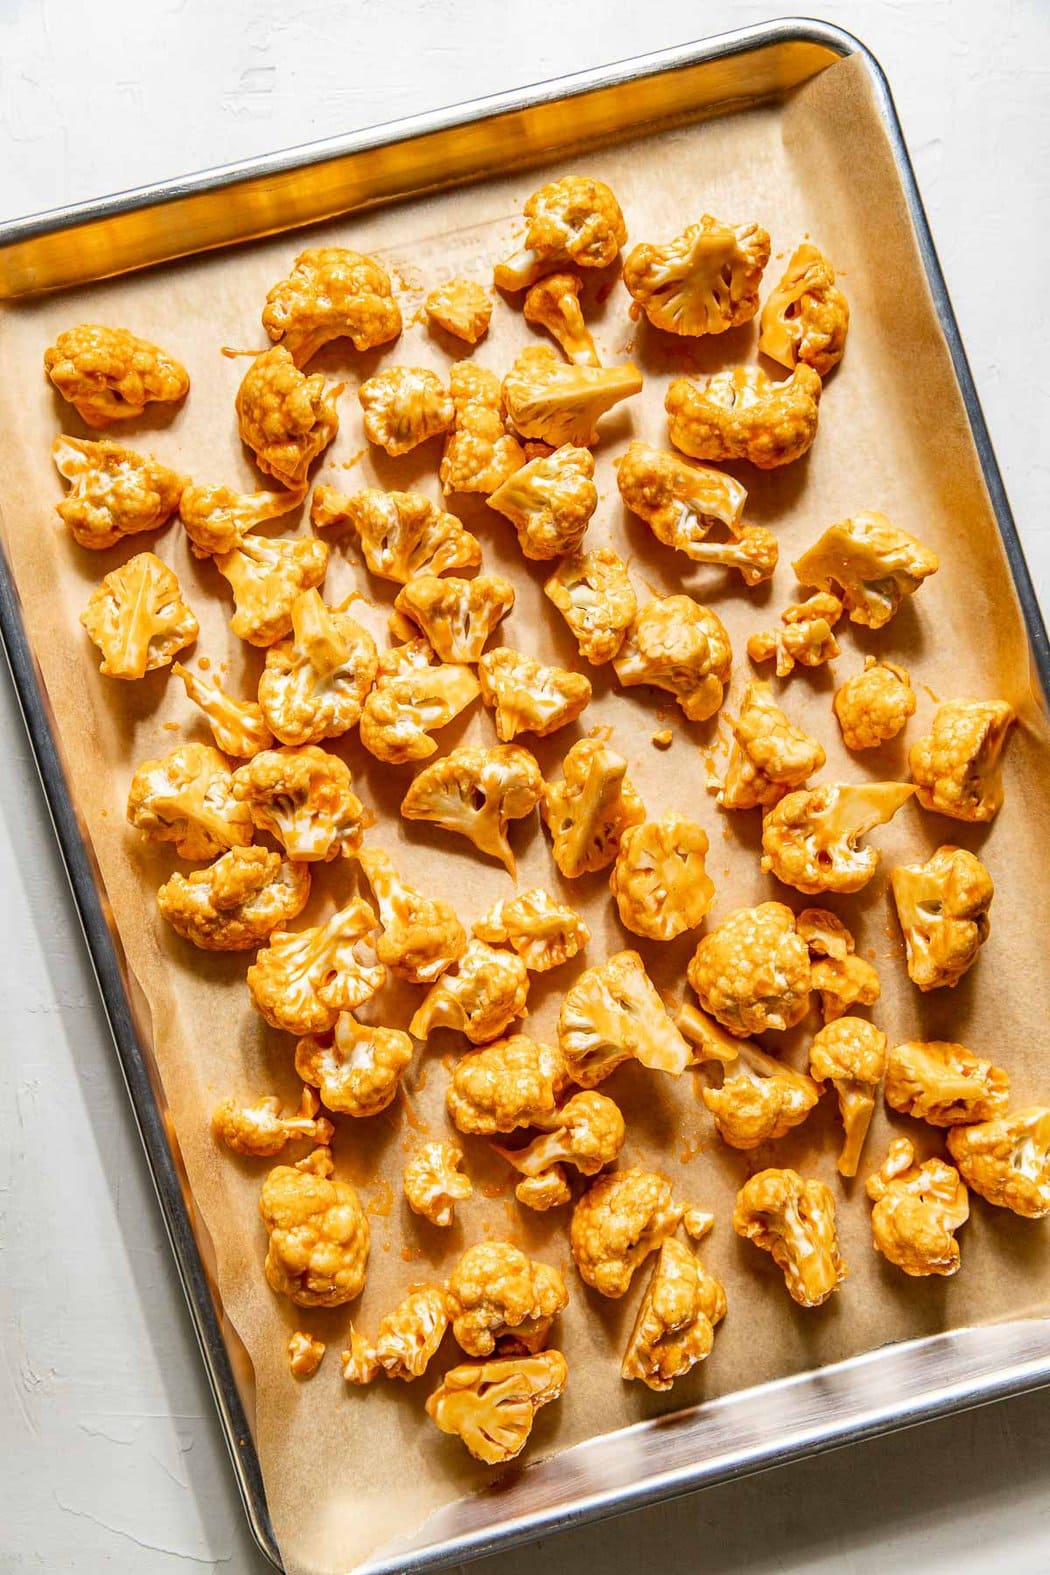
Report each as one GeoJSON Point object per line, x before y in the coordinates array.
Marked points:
{"type": "Point", "coordinates": [286, 418]}
{"type": "Point", "coordinates": [807, 638]}
{"type": "Point", "coordinates": [462, 307]}
{"type": "Point", "coordinates": [575, 220]}
{"type": "Point", "coordinates": [491, 1406]}
{"type": "Point", "coordinates": [770, 754]}
{"type": "Point", "coordinates": [850, 1053]}
{"type": "Point", "coordinates": [477, 792]}
{"type": "Point", "coordinates": [357, 1068]}
{"type": "Point", "coordinates": [810, 840]}
{"type": "Point", "coordinates": [752, 972]}
{"type": "Point", "coordinates": [498, 1299]}
{"type": "Point", "coordinates": [956, 766]}
{"type": "Point", "coordinates": [556, 402]}
{"type": "Point", "coordinates": [515, 1083]}
{"type": "Point", "coordinates": [402, 534]}
{"type": "Point", "coordinates": [304, 979]}
{"type": "Point", "coordinates": [237, 726]}
{"type": "Point", "coordinates": [841, 978]}
{"type": "Point", "coordinates": [217, 519]}
{"type": "Point", "coordinates": [404, 406]}
{"type": "Point", "coordinates": [675, 1325]}
{"type": "Point", "coordinates": [806, 318]}
{"type": "Point", "coordinates": [187, 798]}
{"type": "Point", "coordinates": [434, 1183]}
{"type": "Point", "coordinates": [869, 564]}
{"type": "Point", "coordinates": [305, 1354]}
{"type": "Point", "coordinates": [108, 374]}
{"type": "Point", "coordinates": [261, 1130]}
{"type": "Point", "coordinates": [413, 698]}
{"type": "Point", "coordinates": [944, 1084]}
{"type": "Point", "coordinates": [479, 994]}
{"type": "Point", "coordinates": [917, 1210]}
{"type": "Point", "coordinates": [742, 414]}
{"type": "Point", "coordinates": [114, 492]}
{"type": "Point", "coordinates": [1007, 1161]}
{"type": "Point", "coordinates": [138, 619]}
{"type": "Point", "coordinates": [613, 1014]}
{"type": "Point", "coordinates": [319, 1236]}
{"type": "Point", "coordinates": [420, 936]}
{"type": "Point", "coordinates": [874, 705]}
{"type": "Point", "coordinates": [549, 502]}
{"type": "Point", "coordinates": [617, 1223]}
{"type": "Point", "coordinates": [660, 879]}
{"type": "Point", "coordinates": [457, 616]}
{"type": "Point", "coordinates": [331, 293]}
{"type": "Point", "coordinates": [234, 904]}
{"type": "Point", "coordinates": [587, 1132]}
{"type": "Point", "coordinates": [704, 281]}
{"type": "Point", "coordinates": [479, 452]}
{"type": "Point", "coordinates": [528, 697]}
{"type": "Point", "coordinates": [267, 577]}
{"type": "Point", "coordinates": [760, 1098]}
{"type": "Point", "coordinates": [554, 303]}
{"type": "Point", "coordinates": [544, 932]}
{"type": "Point", "coordinates": [794, 1220]}
{"type": "Point", "coordinates": [304, 798]}
{"type": "Point", "coordinates": [592, 591]}
{"type": "Point", "coordinates": [678, 645]}
{"type": "Point", "coordinates": [942, 907]}
{"type": "Point", "coordinates": [314, 685]}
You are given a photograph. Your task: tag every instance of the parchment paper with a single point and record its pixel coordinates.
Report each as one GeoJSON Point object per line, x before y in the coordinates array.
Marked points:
{"type": "Point", "coordinates": [347, 1471]}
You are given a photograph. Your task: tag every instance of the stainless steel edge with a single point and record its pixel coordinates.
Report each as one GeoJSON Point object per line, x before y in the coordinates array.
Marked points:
{"type": "Point", "coordinates": [935, 1376]}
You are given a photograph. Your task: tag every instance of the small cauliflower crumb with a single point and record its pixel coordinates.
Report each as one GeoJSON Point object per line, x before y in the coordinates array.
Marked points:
{"type": "Point", "coordinates": [304, 1354]}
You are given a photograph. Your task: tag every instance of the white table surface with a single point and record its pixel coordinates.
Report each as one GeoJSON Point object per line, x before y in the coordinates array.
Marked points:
{"type": "Point", "coordinates": [110, 1456]}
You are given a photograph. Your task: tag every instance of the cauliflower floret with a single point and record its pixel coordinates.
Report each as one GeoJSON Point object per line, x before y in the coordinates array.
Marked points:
{"type": "Point", "coordinates": [917, 1209]}
{"type": "Point", "coordinates": [593, 593]}
{"type": "Point", "coordinates": [402, 534]}
{"type": "Point", "coordinates": [403, 407]}
{"type": "Point", "coordinates": [410, 703]}
{"type": "Point", "coordinates": [956, 767]}
{"type": "Point", "coordinates": [675, 1325]}
{"type": "Point", "coordinates": [261, 1130]}
{"type": "Point", "coordinates": [614, 1014]}
{"type": "Point", "coordinates": [794, 1220]}
{"type": "Point", "coordinates": [590, 809]}
{"type": "Point", "coordinates": [457, 616]}
{"type": "Point", "coordinates": [421, 936]}
{"type": "Point", "coordinates": [742, 414]}
{"type": "Point", "coordinates": [434, 1183]}
{"type": "Point", "coordinates": [944, 1084]}
{"type": "Point", "coordinates": [807, 637]}
{"type": "Point", "coordinates": [549, 502]}
{"type": "Point", "coordinates": [108, 374]}
{"type": "Point", "coordinates": [304, 798]}
{"type": "Point", "coordinates": [678, 645]}
{"type": "Point", "coordinates": [806, 318]}
{"type": "Point", "coordinates": [704, 281]}
{"type": "Point", "coordinates": [660, 880]}
{"type": "Point", "coordinates": [462, 307]}
{"type": "Point", "coordinates": [754, 553]}
{"type": "Point", "coordinates": [528, 697]}
{"type": "Point", "coordinates": [284, 417]}
{"type": "Point", "coordinates": [357, 1069]}
{"type": "Point", "coordinates": [573, 220]}
{"type": "Point", "coordinates": [770, 755]}
{"type": "Point", "coordinates": [476, 792]}
{"type": "Point", "coordinates": [697, 1223]}
{"type": "Point", "coordinates": [187, 798]}
{"type": "Point", "coordinates": [479, 995]}
{"type": "Point", "coordinates": [319, 1236]}
{"type": "Point", "coordinates": [331, 293]}
{"type": "Point", "coordinates": [544, 932]}
{"type": "Point", "coordinates": [491, 1405]}
{"type": "Point", "coordinates": [549, 1190]}
{"type": "Point", "coordinates": [680, 503]}
{"type": "Point", "coordinates": [479, 451]}
{"type": "Point", "coordinates": [617, 1223]}
{"type": "Point", "coordinates": [554, 303]}
{"type": "Point", "coordinates": [237, 726]}
{"type": "Point", "coordinates": [841, 977]}
{"type": "Point", "coordinates": [267, 577]}
{"type": "Point", "coordinates": [515, 1083]}
{"type": "Point", "coordinates": [869, 564]}
{"type": "Point", "coordinates": [760, 1098]}
{"type": "Point", "coordinates": [314, 684]}
{"type": "Point", "coordinates": [114, 492]}
{"type": "Point", "coordinates": [752, 971]}
{"type": "Point", "coordinates": [409, 1336]}
{"type": "Point", "coordinates": [304, 979]}
{"type": "Point", "coordinates": [874, 705]}
{"type": "Point", "coordinates": [217, 519]}
{"type": "Point", "coordinates": [557, 403]}
{"type": "Point", "coordinates": [1007, 1160]}
{"type": "Point", "coordinates": [587, 1132]}
{"type": "Point", "coordinates": [360, 1365]}
{"type": "Point", "coordinates": [810, 839]}
{"type": "Point", "coordinates": [305, 1354]}
{"type": "Point", "coordinates": [851, 1054]}
{"type": "Point", "coordinates": [497, 1298]}
{"type": "Point", "coordinates": [138, 619]}
{"type": "Point", "coordinates": [942, 907]}
{"type": "Point", "coordinates": [234, 904]}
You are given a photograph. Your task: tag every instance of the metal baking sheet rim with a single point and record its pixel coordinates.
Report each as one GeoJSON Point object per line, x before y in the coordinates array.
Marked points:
{"type": "Point", "coordinates": [882, 1391]}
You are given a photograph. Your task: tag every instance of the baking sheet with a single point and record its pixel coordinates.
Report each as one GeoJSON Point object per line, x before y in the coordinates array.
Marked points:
{"type": "Point", "coordinates": [347, 1472]}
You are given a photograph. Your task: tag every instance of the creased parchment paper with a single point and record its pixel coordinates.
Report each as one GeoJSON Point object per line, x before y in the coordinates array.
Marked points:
{"type": "Point", "coordinates": [348, 1472]}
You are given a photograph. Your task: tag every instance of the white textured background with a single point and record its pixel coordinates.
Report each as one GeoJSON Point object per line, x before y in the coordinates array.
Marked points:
{"type": "Point", "coordinates": [110, 1457]}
